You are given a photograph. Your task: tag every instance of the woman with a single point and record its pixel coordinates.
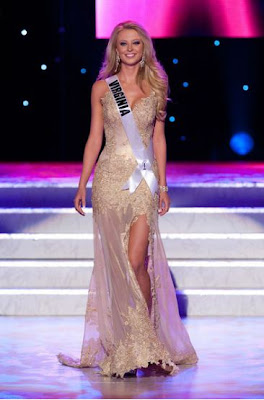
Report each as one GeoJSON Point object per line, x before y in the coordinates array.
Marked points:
{"type": "Point", "coordinates": [132, 318]}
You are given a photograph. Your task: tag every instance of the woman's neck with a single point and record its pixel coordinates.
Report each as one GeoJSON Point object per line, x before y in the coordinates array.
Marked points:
{"type": "Point", "coordinates": [128, 73]}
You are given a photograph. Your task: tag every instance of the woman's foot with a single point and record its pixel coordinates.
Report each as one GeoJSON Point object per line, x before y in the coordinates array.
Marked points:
{"type": "Point", "coordinates": [168, 368]}
{"type": "Point", "coordinates": [159, 368]}
{"type": "Point", "coordinates": [132, 372]}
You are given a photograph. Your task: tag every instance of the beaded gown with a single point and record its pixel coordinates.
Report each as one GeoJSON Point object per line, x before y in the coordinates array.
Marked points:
{"type": "Point", "coordinates": [119, 333]}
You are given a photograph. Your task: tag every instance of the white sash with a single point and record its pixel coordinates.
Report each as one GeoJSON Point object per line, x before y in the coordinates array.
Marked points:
{"type": "Point", "coordinates": [144, 156]}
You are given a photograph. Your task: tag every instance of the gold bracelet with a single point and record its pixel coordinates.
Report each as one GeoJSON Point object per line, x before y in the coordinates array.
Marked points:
{"type": "Point", "coordinates": [164, 188]}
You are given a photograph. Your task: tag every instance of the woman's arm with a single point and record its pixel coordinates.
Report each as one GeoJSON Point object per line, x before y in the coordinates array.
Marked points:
{"type": "Point", "coordinates": [93, 144]}
{"type": "Point", "coordinates": [160, 152]}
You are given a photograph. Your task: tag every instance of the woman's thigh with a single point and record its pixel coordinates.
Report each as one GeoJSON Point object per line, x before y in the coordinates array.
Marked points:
{"type": "Point", "coordinates": [138, 242]}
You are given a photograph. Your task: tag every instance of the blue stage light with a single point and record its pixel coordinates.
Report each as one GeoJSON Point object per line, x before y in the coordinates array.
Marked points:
{"type": "Point", "coordinates": [185, 84]}
{"type": "Point", "coordinates": [25, 103]}
{"type": "Point", "coordinates": [62, 29]}
{"type": "Point", "coordinates": [172, 119]}
{"type": "Point", "coordinates": [43, 67]}
{"type": "Point", "coordinates": [183, 138]}
{"type": "Point", "coordinates": [24, 32]}
{"type": "Point", "coordinates": [245, 87]}
{"type": "Point", "coordinates": [217, 42]}
{"type": "Point", "coordinates": [83, 71]}
{"type": "Point", "coordinates": [175, 61]}
{"type": "Point", "coordinates": [241, 143]}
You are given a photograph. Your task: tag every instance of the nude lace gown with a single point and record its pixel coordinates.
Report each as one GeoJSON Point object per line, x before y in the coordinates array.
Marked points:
{"type": "Point", "coordinates": [119, 334]}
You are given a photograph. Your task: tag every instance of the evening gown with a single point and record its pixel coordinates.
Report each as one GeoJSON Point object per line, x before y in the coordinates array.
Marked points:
{"type": "Point", "coordinates": [119, 333]}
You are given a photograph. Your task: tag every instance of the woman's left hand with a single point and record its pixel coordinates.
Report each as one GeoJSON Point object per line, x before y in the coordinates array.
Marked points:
{"type": "Point", "coordinates": [164, 203]}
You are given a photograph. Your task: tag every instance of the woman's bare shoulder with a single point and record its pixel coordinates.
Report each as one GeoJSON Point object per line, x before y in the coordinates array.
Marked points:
{"type": "Point", "coordinates": [99, 88]}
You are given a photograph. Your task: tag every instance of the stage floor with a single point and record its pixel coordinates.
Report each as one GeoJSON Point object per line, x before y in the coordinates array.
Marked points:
{"type": "Point", "coordinates": [230, 350]}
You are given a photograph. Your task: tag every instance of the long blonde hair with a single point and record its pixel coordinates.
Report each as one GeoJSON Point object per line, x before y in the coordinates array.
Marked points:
{"type": "Point", "coordinates": [152, 72]}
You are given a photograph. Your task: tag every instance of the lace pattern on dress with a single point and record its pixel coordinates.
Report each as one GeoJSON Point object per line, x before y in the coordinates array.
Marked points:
{"type": "Point", "coordinates": [139, 348]}
{"type": "Point", "coordinates": [120, 335]}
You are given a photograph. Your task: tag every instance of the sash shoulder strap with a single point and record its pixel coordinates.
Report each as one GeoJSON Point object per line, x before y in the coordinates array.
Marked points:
{"type": "Point", "coordinates": [144, 156]}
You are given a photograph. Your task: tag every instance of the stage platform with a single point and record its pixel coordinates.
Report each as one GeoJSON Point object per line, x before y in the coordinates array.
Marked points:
{"type": "Point", "coordinates": [230, 351]}
{"type": "Point", "coordinates": [191, 184]}
{"type": "Point", "coordinates": [213, 237]}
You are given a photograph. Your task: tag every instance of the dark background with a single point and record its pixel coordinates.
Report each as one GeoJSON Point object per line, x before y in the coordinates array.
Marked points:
{"type": "Point", "coordinates": [55, 125]}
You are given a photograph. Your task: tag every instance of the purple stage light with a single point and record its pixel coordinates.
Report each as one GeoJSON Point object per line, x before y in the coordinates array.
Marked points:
{"type": "Point", "coordinates": [173, 18]}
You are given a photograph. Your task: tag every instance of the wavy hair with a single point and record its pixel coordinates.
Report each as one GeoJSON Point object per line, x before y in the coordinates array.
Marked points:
{"type": "Point", "coordinates": [152, 71]}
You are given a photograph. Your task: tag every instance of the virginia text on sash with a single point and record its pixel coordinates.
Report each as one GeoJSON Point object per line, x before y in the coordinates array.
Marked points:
{"type": "Point", "coordinates": [143, 155]}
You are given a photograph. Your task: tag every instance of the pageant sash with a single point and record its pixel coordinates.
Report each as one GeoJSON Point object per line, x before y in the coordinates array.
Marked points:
{"type": "Point", "coordinates": [143, 155]}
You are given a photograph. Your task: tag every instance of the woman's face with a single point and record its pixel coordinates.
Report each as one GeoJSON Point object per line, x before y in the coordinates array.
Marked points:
{"type": "Point", "coordinates": [129, 46]}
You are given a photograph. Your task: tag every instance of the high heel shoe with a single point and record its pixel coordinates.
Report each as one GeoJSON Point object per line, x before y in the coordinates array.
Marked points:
{"type": "Point", "coordinates": [132, 372]}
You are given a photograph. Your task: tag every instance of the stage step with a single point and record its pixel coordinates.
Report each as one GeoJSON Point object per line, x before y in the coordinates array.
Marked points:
{"type": "Point", "coordinates": [192, 302]}
{"type": "Point", "coordinates": [216, 254]}
{"type": "Point", "coordinates": [213, 237]}
{"type": "Point", "coordinates": [41, 194]}
{"type": "Point", "coordinates": [187, 274]}
{"type": "Point", "coordinates": [177, 220]}
{"type": "Point", "coordinates": [177, 245]}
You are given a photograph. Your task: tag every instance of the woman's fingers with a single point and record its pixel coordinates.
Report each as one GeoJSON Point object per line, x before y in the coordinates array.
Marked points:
{"type": "Point", "coordinates": [79, 202]}
{"type": "Point", "coordinates": [164, 204]}
{"type": "Point", "coordinates": [83, 202]}
{"type": "Point", "coordinates": [160, 205]}
{"type": "Point", "coordinates": [78, 207]}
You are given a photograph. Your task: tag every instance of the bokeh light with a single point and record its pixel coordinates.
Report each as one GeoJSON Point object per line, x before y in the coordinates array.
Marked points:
{"type": "Point", "coordinates": [241, 143]}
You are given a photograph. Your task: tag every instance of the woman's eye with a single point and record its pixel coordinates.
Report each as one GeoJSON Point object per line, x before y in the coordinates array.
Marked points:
{"type": "Point", "coordinates": [137, 42]}
{"type": "Point", "coordinates": [122, 43]}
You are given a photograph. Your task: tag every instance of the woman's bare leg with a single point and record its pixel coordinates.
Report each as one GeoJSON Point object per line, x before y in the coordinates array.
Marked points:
{"type": "Point", "coordinates": [137, 252]}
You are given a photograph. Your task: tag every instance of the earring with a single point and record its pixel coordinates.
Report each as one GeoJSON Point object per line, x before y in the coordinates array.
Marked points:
{"type": "Point", "coordinates": [142, 61]}
{"type": "Point", "coordinates": [117, 61]}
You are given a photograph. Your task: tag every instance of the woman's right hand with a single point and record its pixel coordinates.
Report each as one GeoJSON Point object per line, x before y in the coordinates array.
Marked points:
{"type": "Point", "coordinates": [80, 200]}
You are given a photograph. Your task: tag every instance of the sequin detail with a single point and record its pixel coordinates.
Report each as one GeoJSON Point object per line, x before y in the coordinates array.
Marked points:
{"type": "Point", "coordinates": [120, 333]}
{"type": "Point", "coordinates": [139, 348]}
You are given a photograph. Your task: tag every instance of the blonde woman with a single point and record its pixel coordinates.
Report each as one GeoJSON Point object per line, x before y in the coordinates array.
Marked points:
{"type": "Point", "coordinates": [132, 319]}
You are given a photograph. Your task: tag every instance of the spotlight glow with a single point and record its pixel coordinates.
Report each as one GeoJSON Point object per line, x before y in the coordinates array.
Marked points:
{"type": "Point", "coordinates": [241, 143]}
{"type": "Point", "coordinates": [175, 61]}
{"type": "Point", "coordinates": [25, 103]}
{"type": "Point", "coordinates": [24, 32]}
{"type": "Point", "coordinates": [43, 67]}
{"type": "Point", "coordinates": [217, 43]}
{"type": "Point", "coordinates": [173, 18]}
{"type": "Point", "coordinates": [245, 88]}
{"type": "Point", "coordinates": [185, 84]}
{"type": "Point", "coordinates": [83, 71]}
{"type": "Point", "coordinates": [172, 119]}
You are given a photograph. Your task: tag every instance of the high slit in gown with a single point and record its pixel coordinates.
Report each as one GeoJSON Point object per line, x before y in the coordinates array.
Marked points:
{"type": "Point", "coordinates": [120, 334]}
